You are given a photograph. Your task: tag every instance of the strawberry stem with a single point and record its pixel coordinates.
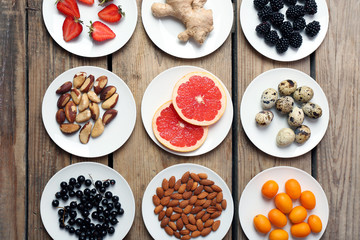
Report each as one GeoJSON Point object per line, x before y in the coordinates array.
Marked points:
{"type": "Point", "coordinates": [121, 11]}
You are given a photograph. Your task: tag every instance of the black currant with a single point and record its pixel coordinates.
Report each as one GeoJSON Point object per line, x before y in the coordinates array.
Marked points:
{"type": "Point", "coordinates": [58, 195]}
{"type": "Point", "coordinates": [112, 182]}
{"type": "Point", "coordinates": [87, 182]}
{"type": "Point", "coordinates": [98, 184]}
{"type": "Point", "coordinates": [63, 185]}
{"type": "Point", "coordinates": [115, 199]}
{"type": "Point", "coordinates": [106, 184]}
{"type": "Point", "coordinates": [111, 230]}
{"type": "Point", "coordinates": [55, 203]}
{"type": "Point", "coordinates": [72, 181]}
{"type": "Point", "coordinates": [108, 195]}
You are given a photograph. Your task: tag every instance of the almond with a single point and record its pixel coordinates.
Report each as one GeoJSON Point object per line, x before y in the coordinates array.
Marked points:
{"type": "Point", "coordinates": [188, 208]}
{"type": "Point", "coordinates": [64, 88]}
{"type": "Point", "coordinates": [187, 195]}
{"type": "Point", "coordinates": [172, 182]}
{"type": "Point", "coordinates": [107, 92]}
{"type": "Point", "coordinates": [79, 79]}
{"type": "Point", "coordinates": [69, 128]}
{"type": "Point", "coordinates": [100, 84]}
{"type": "Point", "coordinates": [215, 215]}
{"type": "Point", "coordinates": [177, 209]}
{"type": "Point", "coordinates": [75, 95]}
{"type": "Point", "coordinates": [202, 175]}
{"type": "Point", "coordinates": [198, 190]}
{"type": "Point", "coordinates": [203, 195]}
{"type": "Point", "coordinates": [206, 204]}
{"type": "Point", "coordinates": [165, 184]}
{"type": "Point", "coordinates": [173, 226]}
{"type": "Point", "coordinates": [156, 200]}
{"type": "Point", "coordinates": [169, 231]}
{"type": "Point", "coordinates": [219, 197]}
{"type": "Point", "coordinates": [60, 116]}
{"type": "Point", "coordinates": [216, 225]}
{"type": "Point", "coordinates": [84, 102]}
{"type": "Point", "coordinates": [98, 128]}
{"type": "Point", "coordinates": [184, 219]}
{"type": "Point", "coordinates": [200, 215]}
{"type": "Point", "coordinates": [85, 133]}
{"type": "Point", "coordinates": [189, 184]}
{"type": "Point", "coordinates": [196, 209]}
{"type": "Point", "coordinates": [176, 196]}
{"type": "Point", "coordinates": [70, 111]}
{"type": "Point", "coordinates": [165, 201]}
{"type": "Point", "coordinates": [211, 209]}
{"type": "Point", "coordinates": [192, 219]}
{"type": "Point", "coordinates": [177, 235]}
{"type": "Point", "coordinates": [93, 97]}
{"type": "Point", "coordinates": [216, 188]}
{"type": "Point", "coordinates": [179, 224]}
{"type": "Point", "coordinates": [206, 182]}
{"type": "Point", "coordinates": [205, 232]}
{"type": "Point", "coordinates": [195, 185]}
{"type": "Point", "coordinates": [63, 100]}
{"type": "Point", "coordinates": [199, 224]}
{"type": "Point", "coordinates": [95, 110]}
{"type": "Point", "coordinates": [185, 177]}
{"type": "Point", "coordinates": [192, 200]}
{"type": "Point", "coordinates": [213, 202]}
{"type": "Point", "coordinates": [218, 207]}
{"type": "Point", "coordinates": [83, 116]}
{"type": "Point", "coordinates": [208, 223]}
{"type": "Point", "coordinates": [160, 192]}
{"type": "Point", "coordinates": [195, 234]}
{"type": "Point", "coordinates": [173, 203]}
{"type": "Point", "coordinates": [212, 195]}
{"type": "Point", "coordinates": [158, 209]}
{"type": "Point", "coordinates": [191, 227]}
{"type": "Point", "coordinates": [200, 202]}
{"type": "Point", "coordinates": [224, 204]}
{"type": "Point", "coordinates": [184, 203]}
{"type": "Point", "coordinates": [164, 222]}
{"type": "Point", "coordinates": [208, 189]}
{"type": "Point", "coordinates": [185, 237]}
{"type": "Point", "coordinates": [175, 216]}
{"type": "Point", "coordinates": [184, 232]}
{"type": "Point", "coordinates": [195, 177]}
{"type": "Point", "coordinates": [110, 102]}
{"type": "Point", "coordinates": [177, 185]}
{"type": "Point", "coordinates": [169, 192]}
{"type": "Point", "coordinates": [169, 211]}
{"type": "Point", "coordinates": [182, 188]}
{"type": "Point", "coordinates": [161, 215]}
{"type": "Point", "coordinates": [88, 84]}
{"type": "Point", "coordinates": [205, 217]}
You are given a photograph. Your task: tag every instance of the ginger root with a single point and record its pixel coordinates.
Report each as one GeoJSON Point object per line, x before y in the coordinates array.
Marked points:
{"type": "Point", "coordinates": [197, 20]}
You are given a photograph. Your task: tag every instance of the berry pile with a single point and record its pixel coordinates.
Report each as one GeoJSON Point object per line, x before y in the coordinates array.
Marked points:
{"type": "Point", "coordinates": [77, 218]}
{"type": "Point", "coordinates": [289, 25]}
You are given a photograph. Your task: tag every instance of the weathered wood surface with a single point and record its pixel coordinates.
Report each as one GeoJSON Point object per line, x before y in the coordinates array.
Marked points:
{"type": "Point", "coordinates": [31, 60]}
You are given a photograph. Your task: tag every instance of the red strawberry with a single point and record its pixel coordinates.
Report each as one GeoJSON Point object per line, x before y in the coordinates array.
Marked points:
{"type": "Point", "coordinates": [111, 13]}
{"type": "Point", "coordinates": [100, 32]}
{"type": "Point", "coordinates": [103, 1]}
{"type": "Point", "coordinates": [68, 7]}
{"type": "Point", "coordinates": [88, 2]}
{"type": "Point", "coordinates": [71, 28]}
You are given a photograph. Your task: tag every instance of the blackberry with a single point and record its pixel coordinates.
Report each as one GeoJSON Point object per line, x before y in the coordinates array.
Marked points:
{"type": "Point", "coordinates": [272, 37]}
{"type": "Point", "coordinates": [260, 4]}
{"type": "Point", "coordinates": [276, 5]}
{"type": "Point", "coordinates": [312, 29]}
{"type": "Point", "coordinates": [310, 7]}
{"type": "Point", "coordinates": [277, 19]}
{"type": "Point", "coordinates": [295, 40]}
{"type": "Point", "coordinates": [294, 12]}
{"type": "Point", "coordinates": [290, 2]}
{"type": "Point", "coordinates": [282, 45]}
{"type": "Point", "coordinates": [299, 24]}
{"type": "Point", "coordinates": [263, 28]}
{"type": "Point", "coordinates": [286, 29]}
{"type": "Point", "coordinates": [265, 13]}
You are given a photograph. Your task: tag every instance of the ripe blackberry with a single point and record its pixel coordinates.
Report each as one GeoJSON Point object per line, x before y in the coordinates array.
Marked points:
{"type": "Point", "coordinates": [260, 4]}
{"type": "Point", "coordinates": [294, 12]}
{"type": "Point", "coordinates": [277, 19]}
{"type": "Point", "coordinates": [282, 45]}
{"type": "Point", "coordinates": [272, 37]}
{"type": "Point", "coordinates": [299, 24]}
{"type": "Point", "coordinates": [312, 29]}
{"type": "Point", "coordinates": [276, 5]}
{"type": "Point", "coordinates": [290, 2]}
{"type": "Point", "coordinates": [310, 7]}
{"type": "Point", "coordinates": [286, 29]}
{"type": "Point", "coordinates": [295, 40]}
{"type": "Point", "coordinates": [263, 28]}
{"type": "Point", "coordinates": [265, 13]}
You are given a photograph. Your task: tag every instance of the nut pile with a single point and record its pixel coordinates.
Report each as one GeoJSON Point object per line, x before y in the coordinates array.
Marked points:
{"type": "Point", "coordinates": [285, 104]}
{"type": "Point", "coordinates": [78, 103]}
{"type": "Point", "coordinates": [188, 207]}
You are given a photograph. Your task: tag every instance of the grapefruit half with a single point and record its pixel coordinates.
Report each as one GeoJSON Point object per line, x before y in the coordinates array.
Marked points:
{"type": "Point", "coordinates": [174, 133]}
{"type": "Point", "coordinates": [199, 98]}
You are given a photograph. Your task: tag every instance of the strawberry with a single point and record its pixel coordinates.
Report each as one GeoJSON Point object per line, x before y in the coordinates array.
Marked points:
{"type": "Point", "coordinates": [68, 7]}
{"type": "Point", "coordinates": [100, 32]}
{"type": "Point", "coordinates": [88, 2]}
{"type": "Point", "coordinates": [102, 2]}
{"type": "Point", "coordinates": [71, 28]}
{"type": "Point", "coordinates": [111, 13]}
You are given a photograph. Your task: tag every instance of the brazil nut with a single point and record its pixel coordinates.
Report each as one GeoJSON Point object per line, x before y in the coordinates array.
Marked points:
{"type": "Point", "coordinates": [60, 116]}
{"type": "Point", "coordinates": [64, 88]}
{"type": "Point", "coordinates": [93, 97]}
{"type": "Point", "coordinates": [108, 116]}
{"type": "Point", "coordinates": [84, 102]}
{"type": "Point", "coordinates": [111, 102]}
{"type": "Point", "coordinates": [83, 116]}
{"type": "Point", "coordinates": [75, 95]}
{"type": "Point", "coordinates": [85, 132]}
{"type": "Point", "coordinates": [107, 92]}
{"type": "Point", "coordinates": [98, 128]}
{"type": "Point", "coordinates": [88, 84]}
{"type": "Point", "coordinates": [69, 128]}
{"type": "Point", "coordinates": [95, 110]}
{"type": "Point", "coordinates": [63, 100]}
{"type": "Point", "coordinates": [100, 84]}
{"type": "Point", "coordinates": [70, 111]}
{"type": "Point", "coordinates": [79, 79]}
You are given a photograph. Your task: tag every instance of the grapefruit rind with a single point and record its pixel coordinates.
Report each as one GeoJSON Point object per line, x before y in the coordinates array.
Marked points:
{"type": "Point", "coordinates": [181, 111]}
{"type": "Point", "coordinates": [168, 143]}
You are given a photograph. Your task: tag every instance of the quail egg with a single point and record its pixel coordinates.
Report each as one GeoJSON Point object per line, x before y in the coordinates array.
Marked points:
{"type": "Point", "coordinates": [302, 134]}
{"type": "Point", "coordinates": [284, 104]}
{"type": "Point", "coordinates": [296, 117]}
{"type": "Point", "coordinates": [264, 118]}
{"type": "Point", "coordinates": [303, 94]}
{"type": "Point", "coordinates": [287, 87]}
{"type": "Point", "coordinates": [312, 110]}
{"type": "Point", "coordinates": [285, 137]}
{"type": "Point", "coordinates": [268, 98]}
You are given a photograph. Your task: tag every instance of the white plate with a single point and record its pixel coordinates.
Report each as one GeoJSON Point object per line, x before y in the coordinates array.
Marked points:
{"type": "Point", "coordinates": [49, 215]}
{"type": "Point", "coordinates": [249, 20]}
{"type": "Point", "coordinates": [115, 134]}
{"type": "Point", "coordinates": [164, 31]}
{"type": "Point", "coordinates": [252, 202]}
{"type": "Point", "coordinates": [159, 91]}
{"type": "Point", "coordinates": [265, 137]}
{"type": "Point", "coordinates": [151, 220]}
{"type": "Point", "coordinates": [83, 45]}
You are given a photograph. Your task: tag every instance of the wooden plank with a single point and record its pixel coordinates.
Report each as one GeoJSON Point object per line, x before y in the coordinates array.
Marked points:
{"type": "Point", "coordinates": [251, 160]}
{"type": "Point", "coordinates": [337, 72]}
{"type": "Point", "coordinates": [140, 159]}
{"type": "Point", "coordinates": [47, 60]}
{"type": "Point", "coordinates": [12, 120]}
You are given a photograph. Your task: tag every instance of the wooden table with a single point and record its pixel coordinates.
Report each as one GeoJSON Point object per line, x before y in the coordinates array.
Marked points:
{"type": "Point", "coordinates": [31, 60]}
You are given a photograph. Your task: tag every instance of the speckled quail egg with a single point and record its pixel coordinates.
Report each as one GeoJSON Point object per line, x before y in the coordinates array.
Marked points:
{"type": "Point", "coordinates": [303, 94]}
{"type": "Point", "coordinates": [312, 110]}
{"type": "Point", "coordinates": [296, 117]}
{"type": "Point", "coordinates": [302, 134]}
{"type": "Point", "coordinates": [285, 137]}
{"type": "Point", "coordinates": [264, 118]}
{"type": "Point", "coordinates": [287, 87]}
{"type": "Point", "coordinates": [284, 104]}
{"type": "Point", "coordinates": [268, 98]}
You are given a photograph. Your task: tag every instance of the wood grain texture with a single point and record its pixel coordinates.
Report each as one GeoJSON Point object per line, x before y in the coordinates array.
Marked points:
{"type": "Point", "coordinates": [337, 72]}
{"type": "Point", "coordinates": [12, 120]}
{"type": "Point", "coordinates": [140, 159]}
